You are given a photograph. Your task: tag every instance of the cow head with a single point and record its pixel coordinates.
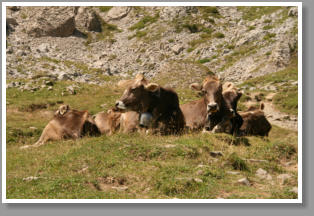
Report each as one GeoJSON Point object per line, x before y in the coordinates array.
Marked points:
{"type": "Point", "coordinates": [137, 96]}
{"type": "Point", "coordinates": [62, 110]}
{"type": "Point", "coordinates": [212, 91]}
{"type": "Point", "coordinates": [231, 96]}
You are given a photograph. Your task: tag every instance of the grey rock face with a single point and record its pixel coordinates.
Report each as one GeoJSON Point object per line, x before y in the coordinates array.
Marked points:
{"type": "Point", "coordinates": [53, 21]}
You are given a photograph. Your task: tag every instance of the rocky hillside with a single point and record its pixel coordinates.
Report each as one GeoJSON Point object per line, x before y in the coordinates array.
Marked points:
{"type": "Point", "coordinates": [100, 44]}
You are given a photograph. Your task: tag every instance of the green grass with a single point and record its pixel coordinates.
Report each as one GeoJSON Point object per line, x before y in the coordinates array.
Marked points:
{"type": "Point", "coordinates": [107, 33]}
{"type": "Point", "coordinates": [144, 22]}
{"type": "Point", "coordinates": [269, 36]}
{"type": "Point", "coordinates": [219, 35]}
{"type": "Point", "coordinates": [286, 98]}
{"type": "Point", "coordinates": [104, 8]}
{"type": "Point", "coordinates": [202, 61]}
{"type": "Point", "coordinates": [256, 12]}
{"type": "Point", "coordinates": [208, 11]}
{"type": "Point", "coordinates": [149, 166]}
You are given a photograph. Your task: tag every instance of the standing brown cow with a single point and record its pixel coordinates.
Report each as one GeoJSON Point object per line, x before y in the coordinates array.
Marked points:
{"type": "Point", "coordinates": [162, 103]}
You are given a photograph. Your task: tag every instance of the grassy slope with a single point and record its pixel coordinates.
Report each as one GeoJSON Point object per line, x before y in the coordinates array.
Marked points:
{"type": "Point", "coordinates": [286, 98]}
{"type": "Point", "coordinates": [150, 166]}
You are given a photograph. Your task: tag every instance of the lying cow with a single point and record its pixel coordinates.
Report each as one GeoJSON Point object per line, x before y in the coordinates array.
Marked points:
{"type": "Point", "coordinates": [108, 122]}
{"type": "Point", "coordinates": [254, 122]}
{"type": "Point", "coordinates": [66, 123]}
{"type": "Point", "coordinates": [114, 120]}
{"type": "Point", "coordinates": [162, 103]}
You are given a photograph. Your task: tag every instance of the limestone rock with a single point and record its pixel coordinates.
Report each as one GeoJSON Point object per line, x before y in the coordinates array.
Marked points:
{"type": "Point", "coordinates": [53, 21]}
{"type": "Point", "coordinates": [117, 13]}
{"type": "Point", "coordinates": [87, 20]}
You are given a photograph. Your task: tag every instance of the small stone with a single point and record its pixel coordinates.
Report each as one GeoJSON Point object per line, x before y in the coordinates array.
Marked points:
{"type": "Point", "coordinates": [177, 49]}
{"type": "Point", "coordinates": [294, 190]}
{"type": "Point", "coordinates": [256, 160]}
{"type": "Point", "coordinates": [261, 173]}
{"type": "Point", "coordinates": [199, 172]}
{"type": "Point", "coordinates": [83, 170]}
{"type": "Point", "coordinates": [64, 76]}
{"type": "Point", "coordinates": [30, 178]}
{"type": "Point", "coordinates": [71, 90]}
{"type": "Point", "coordinates": [233, 172]}
{"type": "Point", "coordinates": [201, 166]}
{"type": "Point", "coordinates": [122, 188]}
{"type": "Point", "coordinates": [33, 128]}
{"type": "Point", "coordinates": [48, 83]}
{"type": "Point", "coordinates": [244, 181]}
{"type": "Point", "coordinates": [43, 48]}
{"type": "Point", "coordinates": [170, 146]}
{"type": "Point", "coordinates": [50, 88]}
{"type": "Point", "coordinates": [283, 177]}
{"type": "Point", "coordinates": [103, 105]}
{"type": "Point", "coordinates": [216, 153]}
{"type": "Point", "coordinates": [198, 180]}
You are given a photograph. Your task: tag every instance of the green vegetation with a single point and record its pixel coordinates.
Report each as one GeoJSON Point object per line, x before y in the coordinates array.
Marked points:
{"type": "Point", "coordinates": [144, 22]}
{"type": "Point", "coordinates": [251, 28]}
{"type": "Point", "coordinates": [256, 12]}
{"type": "Point", "coordinates": [286, 98]}
{"type": "Point", "coordinates": [208, 12]}
{"type": "Point", "coordinates": [202, 61]}
{"type": "Point", "coordinates": [23, 16]}
{"type": "Point", "coordinates": [106, 34]}
{"type": "Point", "coordinates": [104, 8]}
{"type": "Point", "coordinates": [267, 27]}
{"type": "Point", "coordinates": [219, 35]}
{"type": "Point", "coordinates": [136, 166]}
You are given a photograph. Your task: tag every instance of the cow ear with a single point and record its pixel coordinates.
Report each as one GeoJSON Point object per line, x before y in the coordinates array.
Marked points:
{"type": "Point", "coordinates": [196, 86]}
{"type": "Point", "coordinates": [152, 87]}
{"type": "Point", "coordinates": [240, 94]}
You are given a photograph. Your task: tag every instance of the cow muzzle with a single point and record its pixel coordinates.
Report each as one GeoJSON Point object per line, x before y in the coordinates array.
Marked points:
{"type": "Point", "coordinates": [212, 107]}
{"type": "Point", "coordinates": [120, 105]}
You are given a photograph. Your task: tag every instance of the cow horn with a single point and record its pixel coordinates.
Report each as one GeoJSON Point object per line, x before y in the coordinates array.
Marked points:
{"type": "Point", "coordinates": [196, 86]}
{"type": "Point", "coordinates": [152, 87]}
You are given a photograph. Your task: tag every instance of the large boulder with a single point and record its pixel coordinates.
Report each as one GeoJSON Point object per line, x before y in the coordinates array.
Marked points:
{"type": "Point", "coordinates": [52, 21]}
{"type": "Point", "coordinates": [87, 20]}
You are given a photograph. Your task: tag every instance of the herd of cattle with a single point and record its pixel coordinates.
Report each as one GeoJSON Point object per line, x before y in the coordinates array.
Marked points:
{"type": "Point", "coordinates": [216, 111]}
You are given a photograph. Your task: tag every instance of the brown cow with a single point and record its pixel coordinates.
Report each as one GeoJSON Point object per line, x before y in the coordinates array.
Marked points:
{"type": "Point", "coordinates": [208, 111]}
{"type": "Point", "coordinates": [66, 123]}
{"type": "Point", "coordinates": [231, 96]}
{"type": "Point", "coordinates": [114, 120]}
{"type": "Point", "coordinates": [254, 122]}
{"type": "Point", "coordinates": [129, 122]}
{"type": "Point", "coordinates": [108, 122]}
{"type": "Point", "coordinates": [162, 103]}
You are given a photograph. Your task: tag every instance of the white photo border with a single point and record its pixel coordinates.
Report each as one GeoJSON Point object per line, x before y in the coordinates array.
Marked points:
{"type": "Point", "coordinates": [300, 196]}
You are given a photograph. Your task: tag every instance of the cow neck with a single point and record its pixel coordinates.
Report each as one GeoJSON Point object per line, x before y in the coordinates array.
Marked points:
{"type": "Point", "coordinates": [154, 101]}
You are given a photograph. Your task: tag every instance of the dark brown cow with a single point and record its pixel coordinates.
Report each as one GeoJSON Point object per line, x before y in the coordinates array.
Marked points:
{"type": "Point", "coordinates": [231, 96]}
{"type": "Point", "coordinates": [66, 123]}
{"type": "Point", "coordinates": [254, 122]}
{"type": "Point", "coordinates": [162, 103]}
{"type": "Point", "coordinates": [209, 111]}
